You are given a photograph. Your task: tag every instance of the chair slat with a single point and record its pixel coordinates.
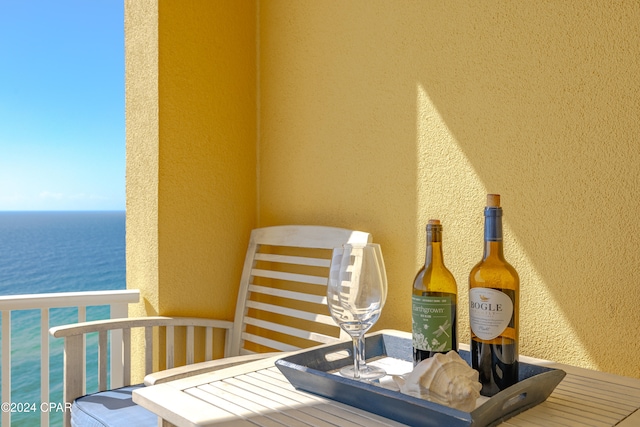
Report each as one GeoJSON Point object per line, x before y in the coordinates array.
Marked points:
{"type": "Point", "coordinates": [170, 340]}
{"type": "Point", "coordinates": [102, 360]}
{"type": "Point", "coordinates": [288, 330]}
{"type": "Point", "coordinates": [276, 345]}
{"type": "Point", "coordinates": [190, 345]}
{"type": "Point", "coordinates": [126, 349]}
{"type": "Point", "coordinates": [148, 354]}
{"type": "Point", "coordinates": [290, 277]}
{"type": "Point", "coordinates": [298, 296]}
{"type": "Point", "coordinates": [307, 236]}
{"type": "Point", "coordinates": [291, 312]}
{"type": "Point", "coordinates": [208, 349]}
{"type": "Point", "coordinates": [295, 260]}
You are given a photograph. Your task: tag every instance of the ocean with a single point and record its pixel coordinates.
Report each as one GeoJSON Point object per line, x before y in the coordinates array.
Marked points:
{"type": "Point", "coordinates": [42, 252]}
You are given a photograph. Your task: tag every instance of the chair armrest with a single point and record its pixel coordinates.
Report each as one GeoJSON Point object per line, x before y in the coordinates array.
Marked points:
{"type": "Point", "coordinates": [135, 322]}
{"type": "Point", "coordinates": [202, 368]}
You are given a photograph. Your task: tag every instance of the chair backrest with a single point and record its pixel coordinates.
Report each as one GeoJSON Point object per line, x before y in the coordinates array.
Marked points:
{"type": "Point", "coordinates": [282, 299]}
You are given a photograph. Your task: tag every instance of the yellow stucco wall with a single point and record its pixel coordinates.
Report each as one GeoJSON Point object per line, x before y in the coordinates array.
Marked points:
{"type": "Point", "coordinates": [379, 115]}
{"type": "Point", "coordinates": [142, 138]}
{"type": "Point", "coordinates": [390, 113]}
{"type": "Point", "coordinates": [191, 153]}
{"type": "Point", "coordinates": [207, 184]}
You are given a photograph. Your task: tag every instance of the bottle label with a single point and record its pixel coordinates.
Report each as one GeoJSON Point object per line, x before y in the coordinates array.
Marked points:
{"type": "Point", "coordinates": [432, 323]}
{"type": "Point", "coordinates": [490, 312]}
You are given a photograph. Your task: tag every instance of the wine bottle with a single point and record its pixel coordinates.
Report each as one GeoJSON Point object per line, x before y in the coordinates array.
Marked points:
{"type": "Point", "coordinates": [434, 301]}
{"type": "Point", "coordinates": [493, 308]}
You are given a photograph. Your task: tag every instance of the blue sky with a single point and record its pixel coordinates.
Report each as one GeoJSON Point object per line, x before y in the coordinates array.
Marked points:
{"type": "Point", "coordinates": [62, 134]}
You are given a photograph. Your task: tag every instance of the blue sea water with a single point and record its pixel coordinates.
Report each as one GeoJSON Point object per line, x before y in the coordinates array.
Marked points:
{"type": "Point", "coordinates": [42, 252]}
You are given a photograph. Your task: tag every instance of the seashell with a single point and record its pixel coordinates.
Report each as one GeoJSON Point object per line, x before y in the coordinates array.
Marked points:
{"type": "Point", "coordinates": [445, 379]}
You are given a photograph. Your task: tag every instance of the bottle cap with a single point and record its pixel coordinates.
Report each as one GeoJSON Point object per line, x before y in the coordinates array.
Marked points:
{"type": "Point", "coordinates": [493, 200]}
{"type": "Point", "coordinates": [434, 222]}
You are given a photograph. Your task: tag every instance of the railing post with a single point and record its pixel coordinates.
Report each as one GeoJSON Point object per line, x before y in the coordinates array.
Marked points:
{"type": "Point", "coordinates": [44, 364]}
{"type": "Point", "coordinates": [6, 364]}
{"type": "Point", "coordinates": [117, 357]}
{"type": "Point", "coordinates": [82, 317]}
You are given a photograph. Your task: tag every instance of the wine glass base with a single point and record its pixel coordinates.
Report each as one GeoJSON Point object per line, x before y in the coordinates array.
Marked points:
{"type": "Point", "coordinates": [366, 372]}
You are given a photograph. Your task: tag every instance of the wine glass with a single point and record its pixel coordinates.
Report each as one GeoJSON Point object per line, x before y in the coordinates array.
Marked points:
{"type": "Point", "coordinates": [356, 293]}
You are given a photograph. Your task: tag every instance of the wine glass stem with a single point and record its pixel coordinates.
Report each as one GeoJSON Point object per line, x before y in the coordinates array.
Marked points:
{"type": "Point", "coordinates": [361, 357]}
{"type": "Point", "coordinates": [357, 356]}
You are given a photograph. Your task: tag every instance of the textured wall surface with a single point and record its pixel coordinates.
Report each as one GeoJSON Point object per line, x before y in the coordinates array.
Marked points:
{"type": "Point", "coordinates": [207, 166]}
{"type": "Point", "coordinates": [191, 163]}
{"type": "Point", "coordinates": [379, 116]}
{"type": "Point", "coordinates": [141, 23]}
{"type": "Point", "coordinates": [141, 29]}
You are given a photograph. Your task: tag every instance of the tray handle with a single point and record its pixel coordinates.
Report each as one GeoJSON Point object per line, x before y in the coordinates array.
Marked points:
{"type": "Point", "coordinates": [517, 398]}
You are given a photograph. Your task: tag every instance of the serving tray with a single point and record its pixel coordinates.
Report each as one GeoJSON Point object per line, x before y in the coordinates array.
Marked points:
{"type": "Point", "coordinates": [315, 371]}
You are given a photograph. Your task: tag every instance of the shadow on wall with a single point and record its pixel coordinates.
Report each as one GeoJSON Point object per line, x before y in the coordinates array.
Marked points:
{"type": "Point", "coordinates": [422, 108]}
{"type": "Point", "coordinates": [544, 101]}
{"type": "Point", "coordinates": [544, 106]}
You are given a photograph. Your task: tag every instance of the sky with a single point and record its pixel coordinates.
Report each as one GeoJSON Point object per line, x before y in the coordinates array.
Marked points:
{"type": "Point", "coordinates": [62, 131]}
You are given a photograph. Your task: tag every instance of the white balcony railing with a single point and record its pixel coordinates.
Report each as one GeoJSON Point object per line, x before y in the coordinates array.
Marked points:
{"type": "Point", "coordinates": [116, 301]}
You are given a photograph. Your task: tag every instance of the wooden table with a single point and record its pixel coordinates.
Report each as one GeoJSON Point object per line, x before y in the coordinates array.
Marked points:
{"type": "Point", "coordinates": [256, 393]}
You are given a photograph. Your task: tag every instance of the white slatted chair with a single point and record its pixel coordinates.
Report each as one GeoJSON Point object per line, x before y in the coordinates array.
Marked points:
{"type": "Point", "coordinates": [281, 306]}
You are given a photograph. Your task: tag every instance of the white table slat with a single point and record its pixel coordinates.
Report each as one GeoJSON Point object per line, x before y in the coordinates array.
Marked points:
{"type": "Point", "coordinates": [291, 418]}
{"type": "Point", "coordinates": [574, 398]}
{"type": "Point", "coordinates": [221, 400]}
{"type": "Point", "coordinates": [256, 411]}
{"type": "Point", "coordinates": [582, 401]}
{"type": "Point", "coordinates": [285, 389]}
{"type": "Point", "coordinates": [611, 394]}
{"type": "Point", "coordinates": [267, 403]}
{"type": "Point", "coordinates": [337, 416]}
{"type": "Point", "coordinates": [271, 398]}
{"type": "Point", "coordinates": [272, 379]}
{"type": "Point", "coordinates": [251, 404]}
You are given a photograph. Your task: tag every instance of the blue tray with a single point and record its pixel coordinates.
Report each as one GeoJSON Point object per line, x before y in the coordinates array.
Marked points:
{"type": "Point", "coordinates": [310, 371]}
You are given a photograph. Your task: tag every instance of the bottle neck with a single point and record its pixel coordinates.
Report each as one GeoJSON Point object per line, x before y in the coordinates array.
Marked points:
{"type": "Point", "coordinates": [434, 246]}
{"type": "Point", "coordinates": [493, 233]}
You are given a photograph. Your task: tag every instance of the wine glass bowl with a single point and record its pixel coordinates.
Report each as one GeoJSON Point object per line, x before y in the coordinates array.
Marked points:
{"type": "Point", "coordinates": [356, 293]}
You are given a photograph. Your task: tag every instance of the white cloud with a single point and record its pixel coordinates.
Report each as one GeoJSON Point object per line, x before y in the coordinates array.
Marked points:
{"type": "Point", "coordinates": [84, 196]}
{"type": "Point", "coordinates": [50, 195]}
